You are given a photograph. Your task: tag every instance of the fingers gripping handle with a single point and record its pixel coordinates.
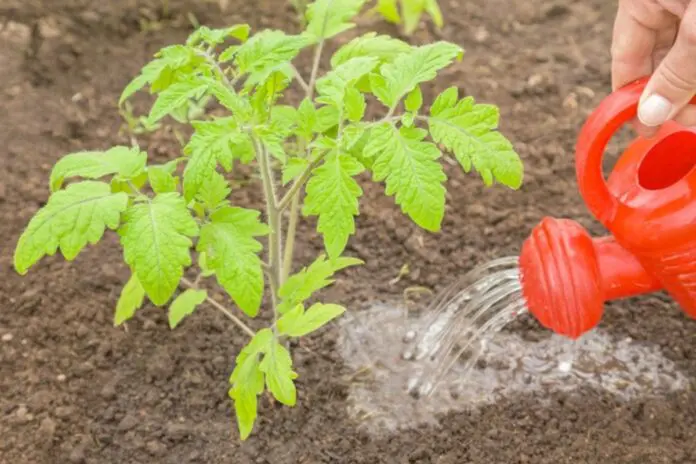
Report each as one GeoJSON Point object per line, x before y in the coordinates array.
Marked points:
{"type": "Point", "coordinates": [613, 112]}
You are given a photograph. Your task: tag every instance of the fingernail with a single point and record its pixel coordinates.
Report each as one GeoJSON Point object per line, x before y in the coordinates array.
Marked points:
{"type": "Point", "coordinates": [654, 110]}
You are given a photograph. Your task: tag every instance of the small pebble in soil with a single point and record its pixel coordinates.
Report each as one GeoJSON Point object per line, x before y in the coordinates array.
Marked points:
{"type": "Point", "coordinates": [155, 448]}
{"type": "Point", "coordinates": [7, 337]}
{"type": "Point", "coordinates": [47, 431]}
{"type": "Point", "coordinates": [61, 377]}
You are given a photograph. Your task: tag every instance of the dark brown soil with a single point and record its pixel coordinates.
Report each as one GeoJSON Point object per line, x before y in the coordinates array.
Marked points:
{"type": "Point", "coordinates": [75, 389]}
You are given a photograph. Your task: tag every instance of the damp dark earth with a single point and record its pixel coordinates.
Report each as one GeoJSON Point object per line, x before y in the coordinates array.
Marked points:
{"type": "Point", "coordinates": [76, 389]}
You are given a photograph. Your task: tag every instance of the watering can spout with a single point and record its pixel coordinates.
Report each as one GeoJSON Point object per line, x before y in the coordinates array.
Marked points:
{"type": "Point", "coordinates": [567, 276]}
{"type": "Point", "coordinates": [648, 205]}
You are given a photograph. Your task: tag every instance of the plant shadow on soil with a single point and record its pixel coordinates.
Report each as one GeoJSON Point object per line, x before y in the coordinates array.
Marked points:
{"type": "Point", "coordinates": [75, 389]}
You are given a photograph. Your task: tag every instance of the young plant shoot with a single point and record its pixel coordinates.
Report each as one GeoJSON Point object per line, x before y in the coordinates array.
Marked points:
{"type": "Point", "coordinates": [408, 13]}
{"type": "Point", "coordinates": [177, 217]}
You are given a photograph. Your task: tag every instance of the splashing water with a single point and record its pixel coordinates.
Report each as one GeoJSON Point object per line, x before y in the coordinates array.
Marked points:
{"type": "Point", "coordinates": [463, 319]}
{"type": "Point", "coordinates": [392, 388]}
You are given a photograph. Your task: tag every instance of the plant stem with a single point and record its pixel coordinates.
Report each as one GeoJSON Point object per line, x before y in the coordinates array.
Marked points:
{"type": "Point", "coordinates": [238, 322]}
{"type": "Point", "coordinates": [290, 238]}
{"type": "Point", "coordinates": [293, 196]}
{"type": "Point", "coordinates": [273, 216]}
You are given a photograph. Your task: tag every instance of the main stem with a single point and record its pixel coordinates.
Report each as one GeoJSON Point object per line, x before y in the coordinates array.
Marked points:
{"type": "Point", "coordinates": [296, 193]}
{"type": "Point", "coordinates": [275, 235]}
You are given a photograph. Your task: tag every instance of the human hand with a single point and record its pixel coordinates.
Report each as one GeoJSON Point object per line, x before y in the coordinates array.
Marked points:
{"type": "Point", "coordinates": [657, 38]}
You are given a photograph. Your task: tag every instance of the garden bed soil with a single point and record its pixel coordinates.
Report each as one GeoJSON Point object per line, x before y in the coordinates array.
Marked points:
{"type": "Point", "coordinates": [75, 389]}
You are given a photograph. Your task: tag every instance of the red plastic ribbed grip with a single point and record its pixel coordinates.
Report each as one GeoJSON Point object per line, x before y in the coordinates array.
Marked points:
{"type": "Point", "coordinates": [567, 276]}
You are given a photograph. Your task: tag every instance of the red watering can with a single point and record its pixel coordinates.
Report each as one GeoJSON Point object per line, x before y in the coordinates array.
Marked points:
{"type": "Point", "coordinates": [648, 204]}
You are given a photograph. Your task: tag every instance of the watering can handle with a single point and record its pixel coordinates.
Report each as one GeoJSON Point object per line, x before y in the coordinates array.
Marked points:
{"type": "Point", "coordinates": [613, 112]}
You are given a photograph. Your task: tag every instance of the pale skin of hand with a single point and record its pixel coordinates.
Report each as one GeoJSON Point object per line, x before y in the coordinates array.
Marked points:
{"type": "Point", "coordinates": [657, 38]}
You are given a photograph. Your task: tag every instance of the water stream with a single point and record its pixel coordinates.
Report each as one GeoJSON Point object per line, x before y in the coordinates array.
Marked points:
{"type": "Point", "coordinates": [411, 366]}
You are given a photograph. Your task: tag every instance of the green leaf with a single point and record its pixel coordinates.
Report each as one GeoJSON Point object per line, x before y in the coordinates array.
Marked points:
{"type": "Point", "coordinates": [217, 36]}
{"type": "Point", "coordinates": [333, 194]}
{"type": "Point", "coordinates": [247, 381]}
{"type": "Point", "coordinates": [130, 301]}
{"type": "Point", "coordinates": [293, 169]}
{"type": "Point", "coordinates": [72, 218]}
{"type": "Point", "coordinates": [382, 47]}
{"type": "Point", "coordinates": [433, 9]}
{"type": "Point", "coordinates": [411, 69]}
{"type": "Point", "coordinates": [175, 96]}
{"type": "Point", "coordinates": [126, 162]}
{"type": "Point", "coordinates": [411, 170]}
{"type": "Point", "coordinates": [217, 141]}
{"type": "Point", "coordinates": [298, 323]}
{"type": "Point", "coordinates": [277, 366]}
{"type": "Point", "coordinates": [332, 87]}
{"type": "Point", "coordinates": [149, 73]}
{"type": "Point", "coordinates": [469, 130]}
{"type": "Point", "coordinates": [306, 118]}
{"type": "Point", "coordinates": [301, 286]}
{"type": "Point", "coordinates": [184, 305]}
{"type": "Point", "coordinates": [327, 118]}
{"type": "Point", "coordinates": [214, 192]}
{"type": "Point", "coordinates": [240, 108]}
{"type": "Point", "coordinates": [156, 243]}
{"type": "Point", "coordinates": [355, 104]}
{"type": "Point", "coordinates": [328, 18]}
{"type": "Point", "coordinates": [160, 180]}
{"type": "Point", "coordinates": [266, 50]}
{"type": "Point", "coordinates": [414, 100]}
{"type": "Point", "coordinates": [231, 248]}
{"type": "Point", "coordinates": [389, 10]}
{"type": "Point", "coordinates": [412, 11]}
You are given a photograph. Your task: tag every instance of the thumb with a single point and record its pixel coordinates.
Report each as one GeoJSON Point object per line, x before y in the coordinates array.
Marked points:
{"type": "Point", "coordinates": [673, 83]}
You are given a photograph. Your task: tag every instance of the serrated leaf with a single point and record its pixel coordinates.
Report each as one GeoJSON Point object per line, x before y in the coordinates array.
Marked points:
{"type": "Point", "coordinates": [332, 87]}
{"type": "Point", "coordinates": [214, 192]}
{"type": "Point", "coordinates": [156, 238]}
{"type": "Point", "coordinates": [175, 96]}
{"type": "Point", "coordinates": [130, 300]}
{"type": "Point", "coordinates": [71, 219]}
{"type": "Point", "coordinates": [184, 305]}
{"type": "Point", "coordinates": [355, 104]}
{"type": "Point", "coordinates": [327, 118]}
{"type": "Point", "coordinates": [410, 168]}
{"type": "Point", "coordinates": [411, 69]}
{"type": "Point", "coordinates": [293, 169]}
{"type": "Point", "coordinates": [306, 118]}
{"type": "Point", "coordinates": [231, 248]}
{"type": "Point", "coordinates": [239, 106]}
{"type": "Point", "coordinates": [217, 36]}
{"type": "Point", "coordinates": [328, 18]}
{"type": "Point", "coordinates": [301, 286]}
{"type": "Point", "coordinates": [247, 381]}
{"type": "Point", "coordinates": [333, 194]}
{"type": "Point", "coordinates": [389, 10]}
{"type": "Point", "coordinates": [217, 141]}
{"type": "Point", "coordinates": [382, 47]}
{"type": "Point", "coordinates": [267, 50]}
{"type": "Point", "coordinates": [433, 9]}
{"type": "Point", "coordinates": [160, 180]}
{"type": "Point", "coordinates": [124, 161]}
{"type": "Point", "coordinates": [469, 130]}
{"type": "Point", "coordinates": [412, 10]}
{"type": "Point", "coordinates": [298, 322]}
{"type": "Point", "coordinates": [149, 74]}
{"type": "Point", "coordinates": [414, 100]}
{"type": "Point", "coordinates": [277, 366]}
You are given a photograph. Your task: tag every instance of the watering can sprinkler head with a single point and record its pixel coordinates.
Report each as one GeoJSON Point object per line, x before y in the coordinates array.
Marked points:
{"type": "Point", "coordinates": [648, 205]}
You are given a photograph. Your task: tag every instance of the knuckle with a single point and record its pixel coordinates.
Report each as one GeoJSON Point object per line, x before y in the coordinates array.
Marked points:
{"type": "Point", "coordinates": [675, 78]}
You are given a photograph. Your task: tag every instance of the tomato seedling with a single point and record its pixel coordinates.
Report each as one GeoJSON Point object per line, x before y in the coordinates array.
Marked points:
{"type": "Point", "coordinates": [176, 216]}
